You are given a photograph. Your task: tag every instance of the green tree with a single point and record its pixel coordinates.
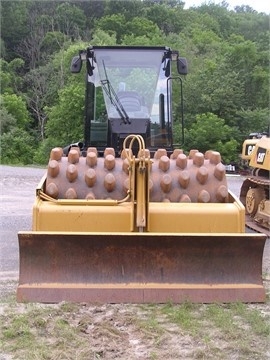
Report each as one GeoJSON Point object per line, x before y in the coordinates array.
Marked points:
{"type": "Point", "coordinates": [65, 119]}
{"type": "Point", "coordinates": [60, 66]}
{"type": "Point", "coordinates": [43, 85]}
{"type": "Point", "coordinates": [128, 8]}
{"type": "Point", "coordinates": [249, 24]}
{"type": "Point", "coordinates": [42, 153]}
{"type": "Point", "coordinates": [53, 42]}
{"type": "Point", "coordinates": [92, 10]}
{"type": "Point", "coordinates": [113, 24]}
{"type": "Point", "coordinates": [7, 121]}
{"type": "Point", "coordinates": [206, 41]}
{"type": "Point", "coordinates": [209, 132]}
{"type": "Point", "coordinates": [243, 55]}
{"type": "Point", "coordinates": [142, 27]}
{"type": "Point", "coordinates": [16, 106]}
{"type": "Point", "coordinates": [102, 38]}
{"type": "Point", "coordinates": [13, 12]}
{"type": "Point", "coordinates": [17, 147]}
{"type": "Point", "coordinates": [168, 19]}
{"type": "Point", "coordinates": [220, 16]}
{"type": "Point", "coordinates": [3, 51]}
{"type": "Point", "coordinates": [6, 77]}
{"type": "Point", "coordinates": [128, 31]}
{"type": "Point", "coordinates": [38, 93]}
{"type": "Point", "coordinates": [65, 122]}
{"type": "Point", "coordinates": [214, 89]}
{"type": "Point", "coordinates": [249, 121]}
{"type": "Point", "coordinates": [29, 47]}
{"type": "Point", "coordinates": [10, 74]}
{"type": "Point", "coordinates": [227, 52]}
{"type": "Point", "coordinates": [70, 19]}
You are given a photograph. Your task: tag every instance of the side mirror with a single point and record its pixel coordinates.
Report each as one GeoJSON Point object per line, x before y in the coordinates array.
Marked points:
{"type": "Point", "coordinates": [182, 66]}
{"type": "Point", "coordinates": [76, 64]}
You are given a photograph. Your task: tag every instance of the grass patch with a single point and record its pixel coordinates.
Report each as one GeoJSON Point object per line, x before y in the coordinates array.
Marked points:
{"type": "Point", "coordinates": [39, 333]}
{"type": "Point", "coordinates": [78, 332]}
{"type": "Point", "coordinates": [150, 325]}
{"type": "Point", "coordinates": [259, 324]}
{"type": "Point", "coordinates": [185, 315]}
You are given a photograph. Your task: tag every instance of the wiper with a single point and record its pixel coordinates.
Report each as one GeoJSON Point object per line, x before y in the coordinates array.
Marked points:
{"type": "Point", "coordinates": [109, 90]}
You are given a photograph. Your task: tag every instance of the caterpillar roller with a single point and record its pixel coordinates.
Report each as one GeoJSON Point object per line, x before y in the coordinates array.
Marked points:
{"type": "Point", "coordinates": [255, 189]}
{"type": "Point", "coordinates": [125, 216]}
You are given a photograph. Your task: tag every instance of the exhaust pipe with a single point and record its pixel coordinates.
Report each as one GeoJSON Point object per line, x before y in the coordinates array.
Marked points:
{"type": "Point", "coordinates": [67, 149]}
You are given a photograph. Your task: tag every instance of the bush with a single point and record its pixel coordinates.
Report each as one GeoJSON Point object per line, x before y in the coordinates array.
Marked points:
{"type": "Point", "coordinates": [17, 147]}
{"type": "Point", "coordinates": [43, 152]}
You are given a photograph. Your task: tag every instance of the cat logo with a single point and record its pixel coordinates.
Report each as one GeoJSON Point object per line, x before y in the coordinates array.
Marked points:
{"type": "Point", "coordinates": [260, 156]}
{"type": "Point", "coordinates": [249, 149]}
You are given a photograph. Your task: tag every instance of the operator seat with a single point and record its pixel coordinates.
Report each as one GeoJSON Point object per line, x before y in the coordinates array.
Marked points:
{"type": "Point", "coordinates": [130, 100]}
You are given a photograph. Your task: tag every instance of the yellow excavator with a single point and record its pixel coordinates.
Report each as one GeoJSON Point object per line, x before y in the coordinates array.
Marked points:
{"type": "Point", "coordinates": [125, 216]}
{"type": "Point", "coordinates": [255, 190]}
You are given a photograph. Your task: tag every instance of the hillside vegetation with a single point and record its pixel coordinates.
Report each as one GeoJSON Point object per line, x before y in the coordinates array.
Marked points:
{"type": "Point", "coordinates": [226, 92]}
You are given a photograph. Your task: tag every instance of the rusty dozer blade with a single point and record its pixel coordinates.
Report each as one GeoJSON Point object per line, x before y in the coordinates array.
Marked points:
{"type": "Point", "coordinates": [140, 267]}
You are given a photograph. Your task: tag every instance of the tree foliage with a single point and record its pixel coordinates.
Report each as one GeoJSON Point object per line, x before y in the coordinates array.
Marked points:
{"type": "Point", "coordinates": [211, 132]}
{"type": "Point", "coordinates": [17, 147]}
{"type": "Point", "coordinates": [7, 121]}
{"type": "Point", "coordinates": [66, 117]}
{"type": "Point", "coordinates": [226, 92]}
{"type": "Point", "coordinates": [16, 106]}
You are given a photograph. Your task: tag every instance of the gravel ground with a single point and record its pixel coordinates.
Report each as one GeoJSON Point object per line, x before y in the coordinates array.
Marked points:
{"type": "Point", "coordinates": [17, 189]}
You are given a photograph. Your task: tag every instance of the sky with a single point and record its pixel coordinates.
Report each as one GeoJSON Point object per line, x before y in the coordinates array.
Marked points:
{"type": "Point", "coordinates": [258, 5]}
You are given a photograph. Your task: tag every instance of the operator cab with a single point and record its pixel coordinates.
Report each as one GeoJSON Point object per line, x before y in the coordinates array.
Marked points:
{"type": "Point", "coordinates": [129, 91]}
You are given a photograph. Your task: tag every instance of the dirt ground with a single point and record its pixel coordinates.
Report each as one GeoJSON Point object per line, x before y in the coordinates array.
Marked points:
{"type": "Point", "coordinates": [127, 331]}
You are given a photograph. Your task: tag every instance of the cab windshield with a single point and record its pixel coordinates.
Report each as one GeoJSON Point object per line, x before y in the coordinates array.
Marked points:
{"type": "Point", "coordinates": [131, 81]}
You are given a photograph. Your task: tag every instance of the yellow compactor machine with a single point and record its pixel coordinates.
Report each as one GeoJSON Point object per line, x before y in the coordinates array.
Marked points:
{"type": "Point", "coordinates": [255, 190]}
{"type": "Point", "coordinates": [126, 216]}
